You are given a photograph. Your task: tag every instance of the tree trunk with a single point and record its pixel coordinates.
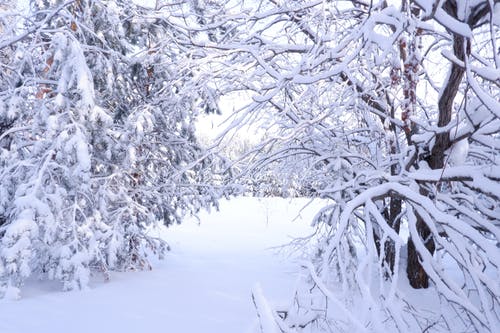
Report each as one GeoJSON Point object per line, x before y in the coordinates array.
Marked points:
{"type": "Point", "coordinates": [417, 276]}
{"type": "Point", "coordinates": [388, 249]}
{"type": "Point", "coordinates": [394, 222]}
{"type": "Point", "coordinates": [416, 273]}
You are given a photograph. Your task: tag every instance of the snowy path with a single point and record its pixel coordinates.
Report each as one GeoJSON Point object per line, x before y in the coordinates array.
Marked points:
{"type": "Point", "coordinates": [203, 286]}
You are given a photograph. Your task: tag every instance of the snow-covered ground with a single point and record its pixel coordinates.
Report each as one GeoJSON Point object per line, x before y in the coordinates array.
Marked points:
{"type": "Point", "coordinates": [203, 286]}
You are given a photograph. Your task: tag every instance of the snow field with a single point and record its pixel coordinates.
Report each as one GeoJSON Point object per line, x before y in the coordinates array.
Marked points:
{"type": "Point", "coordinates": [204, 285]}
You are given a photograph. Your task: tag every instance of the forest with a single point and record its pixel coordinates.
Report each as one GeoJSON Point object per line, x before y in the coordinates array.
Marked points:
{"type": "Point", "coordinates": [384, 114]}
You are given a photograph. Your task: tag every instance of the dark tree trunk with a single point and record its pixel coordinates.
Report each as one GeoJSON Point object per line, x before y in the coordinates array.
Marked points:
{"type": "Point", "coordinates": [394, 222]}
{"type": "Point", "coordinates": [416, 273]}
{"type": "Point", "coordinates": [417, 276]}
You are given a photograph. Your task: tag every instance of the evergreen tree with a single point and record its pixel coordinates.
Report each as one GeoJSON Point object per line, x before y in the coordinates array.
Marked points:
{"type": "Point", "coordinates": [97, 140]}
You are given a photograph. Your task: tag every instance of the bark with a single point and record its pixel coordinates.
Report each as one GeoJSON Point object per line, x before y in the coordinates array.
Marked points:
{"type": "Point", "coordinates": [416, 273]}
{"type": "Point", "coordinates": [392, 212]}
{"type": "Point", "coordinates": [388, 249]}
{"type": "Point", "coordinates": [417, 276]}
{"type": "Point", "coordinates": [395, 223]}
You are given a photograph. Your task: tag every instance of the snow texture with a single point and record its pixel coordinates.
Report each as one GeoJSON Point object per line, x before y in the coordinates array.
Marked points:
{"type": "Point", "coordinates": [204, 285]}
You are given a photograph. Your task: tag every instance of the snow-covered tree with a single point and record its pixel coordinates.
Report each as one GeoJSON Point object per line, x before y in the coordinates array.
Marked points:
{"type": "Point", "coordinates": [395, 105]}
{"type": "Point", "coordinates": [97, 138]}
